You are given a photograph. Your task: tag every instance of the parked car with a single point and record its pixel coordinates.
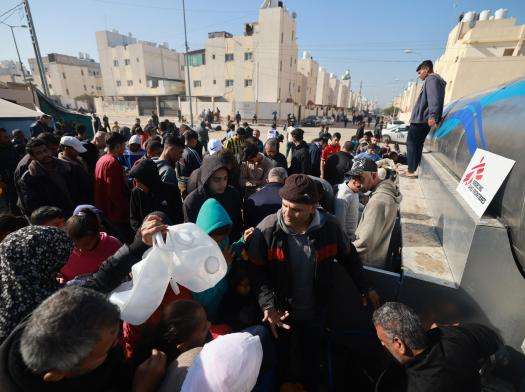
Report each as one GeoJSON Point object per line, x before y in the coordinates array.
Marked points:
{"type": "Point", "coordinates": [394, 124]}
{"type": "Point", "coordinates": [397, 134]}
{"type": "Point", "coordinates": [310, 121]}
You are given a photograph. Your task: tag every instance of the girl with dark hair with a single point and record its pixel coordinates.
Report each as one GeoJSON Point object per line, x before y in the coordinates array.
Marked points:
{"type": "Point", "coordinates": [91, 246]}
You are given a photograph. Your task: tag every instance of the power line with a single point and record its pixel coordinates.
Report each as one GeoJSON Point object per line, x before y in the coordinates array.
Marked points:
{"type": "Point", "coordinates": [11, 9]}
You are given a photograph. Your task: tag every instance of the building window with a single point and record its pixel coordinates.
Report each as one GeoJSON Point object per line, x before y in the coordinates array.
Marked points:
{"type": "Point", "coordinates": [248, 56]}
{"type": "Point", "coordinates": [67, 91]}
{"type": "Point", "coordinates": [182, 67]}
{"type": "Point", "coordinates": [85, 88]}
{"type": "Point", "coordinates": [282, 37]}
{"type": "Point", "coordinates": [92, 87]}
{"type": "Point", "coordinates": [214, 81]}
{"type": "Point", "coordinates": [63, 75]}
{"type": "Point", "coordinates": [127, 62]}
{"type": "Point", "coordinates": [229, 83]}
{"type": "Point", "coordinates": [508, 52]}
{"type": "Point", "coordinates": [247, 82]}
{"type": "Point", "coordinates": [49, 85]}
{"type": "Point", "coordinates": [140, 81]}
{"type": "Point", "coordinates": [115, 63]}
{"type": "Point", "coordinates": [129, 82]}
{"type": "Point", "coordinates": [293, 33]}
{"type": "Point", "coordinates": [228, 57]}
{"type": "Point", "coordinates": [138, 60]}
{"type": "Point", "coordinates": [118, 83]}
{"type": "Point", "coordinates": [82, 72]}
{"type": "Point", "coordinates": [197, 83]}
{"type": "Point", "coordinates": [281, 65]}
{"type": "Point", "coordinates": [291, 61]}
{"type": "Point", "coordinates": [213, 57]}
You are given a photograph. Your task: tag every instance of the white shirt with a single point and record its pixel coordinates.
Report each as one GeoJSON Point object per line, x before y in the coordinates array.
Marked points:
{"type": "Point", "coordinates": [346, 209]}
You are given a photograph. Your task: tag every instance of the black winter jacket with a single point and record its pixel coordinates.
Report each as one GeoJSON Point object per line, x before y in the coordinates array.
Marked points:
{"type": "Point", "coordinates": [300, 159]}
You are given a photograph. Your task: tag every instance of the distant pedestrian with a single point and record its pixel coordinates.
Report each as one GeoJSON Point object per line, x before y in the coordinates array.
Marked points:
{"type": "Point", "coordinates": [238, 118]}
{"type": "Point", "coordinates": [155, 118]}
{"type": "Point", "coordinates": [105, 120]}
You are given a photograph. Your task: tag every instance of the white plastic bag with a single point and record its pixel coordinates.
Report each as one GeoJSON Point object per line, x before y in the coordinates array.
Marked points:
{"type": "Point", "coordinates": [188, 257]}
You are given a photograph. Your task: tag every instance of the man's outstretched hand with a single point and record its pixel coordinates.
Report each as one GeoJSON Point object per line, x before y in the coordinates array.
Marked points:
{"type": "Point", "coordinates": [275, 319]}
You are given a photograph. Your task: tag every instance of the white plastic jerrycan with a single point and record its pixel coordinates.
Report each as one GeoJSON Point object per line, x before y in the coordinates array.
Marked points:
{"type": "Point", "coordinates": [188, 257]}
{"type": "Point", "coordinates": [197, 261]}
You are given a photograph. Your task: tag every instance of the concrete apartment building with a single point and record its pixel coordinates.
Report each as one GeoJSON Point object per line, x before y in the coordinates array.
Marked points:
{"type": "Point", "coordinates": [11, 72]}
{"type": "Point", "coordinates": [482, 52]}
{"type": "Point", "coordinates": [70, 78]}
{"type": "Point", "coordinates": [344, 90]}
{"type": "Point", "coordinates": [133, 68]}
{"type": "Point", "coordinates": [322, 92]}
{"type": "Point", "coordinates": [259, 66]}
{"type": "Point", "coordinates": [334, 89]}
{"type": "Point", "coordinates": [309, 69]}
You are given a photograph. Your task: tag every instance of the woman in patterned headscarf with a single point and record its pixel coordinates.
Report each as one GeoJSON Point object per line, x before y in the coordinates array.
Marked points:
{"type": "Point", "coordinates": [30, 259]}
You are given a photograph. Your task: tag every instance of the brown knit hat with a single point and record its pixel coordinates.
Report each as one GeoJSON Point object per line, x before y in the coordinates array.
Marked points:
{"type": "Point", "coordinates": [299, 188]}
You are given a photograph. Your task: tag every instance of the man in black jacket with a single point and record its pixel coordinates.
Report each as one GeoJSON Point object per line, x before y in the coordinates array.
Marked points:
{"type": "Point", "coordinates": [444, 359]}
{"type": "Point", "coordinates": [213, 182]}
{"type": "Point", "coordinates": [47, 181]}
{"type": "Point", "coordinates": [151, 194]}
{"type": "Point", "coordinates": [8, 160]}
{"type": "Point", "coordinates": [300, 163]}
{"type": "Point", "coordinates": [271, 150]}
{"type": "Point", "coordinates": [294, 252]}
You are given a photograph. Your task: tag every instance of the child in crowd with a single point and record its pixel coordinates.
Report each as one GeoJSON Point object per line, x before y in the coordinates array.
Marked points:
{"type": "Point", "coordinates": [182, 332]}
{"type": "Point", "coordinates": [215, 221]}
{"type": "Point", "coordinates": [239, 308]}
{"type": "Point", "coordinates": [91, 246]}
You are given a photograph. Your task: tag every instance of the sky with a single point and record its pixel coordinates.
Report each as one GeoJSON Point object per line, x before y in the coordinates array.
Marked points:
{"type": "Point", "coordinates": [368, 37]}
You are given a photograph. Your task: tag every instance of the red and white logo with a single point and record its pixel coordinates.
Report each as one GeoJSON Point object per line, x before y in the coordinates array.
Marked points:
{"type": "Point", "coordinates": [475, 173]}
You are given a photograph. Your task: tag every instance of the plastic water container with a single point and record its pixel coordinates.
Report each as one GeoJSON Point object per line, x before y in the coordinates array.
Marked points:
{"type": "Point", "coordinates": [188, 257]}
{"type": "Point", "coordinates": [196, 259]}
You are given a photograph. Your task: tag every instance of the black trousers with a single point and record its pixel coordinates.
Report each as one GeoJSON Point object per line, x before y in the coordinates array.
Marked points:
{"type": "Point", "coordinates": [417, 133]}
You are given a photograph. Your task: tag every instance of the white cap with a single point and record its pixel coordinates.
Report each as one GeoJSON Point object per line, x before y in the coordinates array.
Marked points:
{"type": "Point", "coordinates": [73, 142]}
{"type": "Point", "coordinates": [229, 363]}
{"type": "Point", "coordinates": [135, 139]}
{"type": "Point", "coordinates": [214, 146]}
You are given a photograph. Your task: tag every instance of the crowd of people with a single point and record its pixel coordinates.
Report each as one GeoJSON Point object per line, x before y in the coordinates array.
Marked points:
{"type": "Point", "coordinates": [79, 213]}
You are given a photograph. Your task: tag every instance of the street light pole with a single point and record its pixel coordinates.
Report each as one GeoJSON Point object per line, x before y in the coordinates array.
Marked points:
{"type": "Point", "coordinates": [17, 52]}
{"type": "Point", "coordinates": [187, 61]}
{"type": "Point", "coordinates": [38, 56]}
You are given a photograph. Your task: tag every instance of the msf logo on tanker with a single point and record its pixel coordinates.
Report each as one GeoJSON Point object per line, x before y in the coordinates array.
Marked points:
{"type": "Point", "coordinates": [472, 178]}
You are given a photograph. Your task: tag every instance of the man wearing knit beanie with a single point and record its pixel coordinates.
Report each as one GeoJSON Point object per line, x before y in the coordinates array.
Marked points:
{"type": "Point", "coordinates": [295, 251]}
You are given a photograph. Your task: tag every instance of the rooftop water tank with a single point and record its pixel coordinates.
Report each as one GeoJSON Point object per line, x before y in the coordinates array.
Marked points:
{"type": "Point", "coordinates": [501, 13]}
{"type": "Point", "coordinates": [306, 55]}
{"type": "Point", "coordinates": [469, 16]}
{"type": "Point", "coordinates": [484, 15]}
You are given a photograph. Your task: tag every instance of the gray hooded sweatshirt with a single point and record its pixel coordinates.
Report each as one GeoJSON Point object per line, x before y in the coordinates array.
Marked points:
{"type": "Point", "coordinates": [430, 100]}
{"type": "Point", "coordinates": [375, 228]}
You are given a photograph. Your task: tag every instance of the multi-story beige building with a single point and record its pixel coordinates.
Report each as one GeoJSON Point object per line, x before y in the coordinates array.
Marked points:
{"type": "Point", "coordinates": [482, 52]}
{"type": "Point", "coordinates": [322, 92]}
{"type": "Point", "coordinates": [70, 79]}
{"type": "Point", "coordinates": [344, 90]}
{"type": "Point", "coordinates": [259, 66]}
{"type": "Point", "coordinates": [334, 89]}
{"type": "Point", "coordinates": [132, 68]}
{"type": "Point", "coordinates": [309, 68]}
{"type": "Point", "coordinates": [12, 72]}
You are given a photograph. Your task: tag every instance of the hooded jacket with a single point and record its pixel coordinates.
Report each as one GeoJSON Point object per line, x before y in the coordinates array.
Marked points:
{"type": "Point", "coordinates": [377, 222]}
{"type": "Point", "coordinates": [38, 187]}
{"type": "Point", "coordinates": [300, 163]}
{"type": "Point", "coordinates": [430, 100]}
{"type": "Point", "coordinates": [229, 199]}
{"type": "Point", "coordinates": [160, 196]}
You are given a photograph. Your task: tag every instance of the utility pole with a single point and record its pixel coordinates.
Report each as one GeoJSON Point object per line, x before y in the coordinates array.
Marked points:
{"type": "Point", "coordinates": [187, 61]}
{"type": "Point", "coordinates": [16, 47]}
{"type": "Point", "coordinates": [38, 56]}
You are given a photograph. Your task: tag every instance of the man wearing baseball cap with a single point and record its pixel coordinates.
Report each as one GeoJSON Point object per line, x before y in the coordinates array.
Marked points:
{"type": "Point", "coordinates": [374, 230]}
{"type": "Point", "coordinates": [70, 150]}
{"type": "Point", "coordinates": [294, 251]}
